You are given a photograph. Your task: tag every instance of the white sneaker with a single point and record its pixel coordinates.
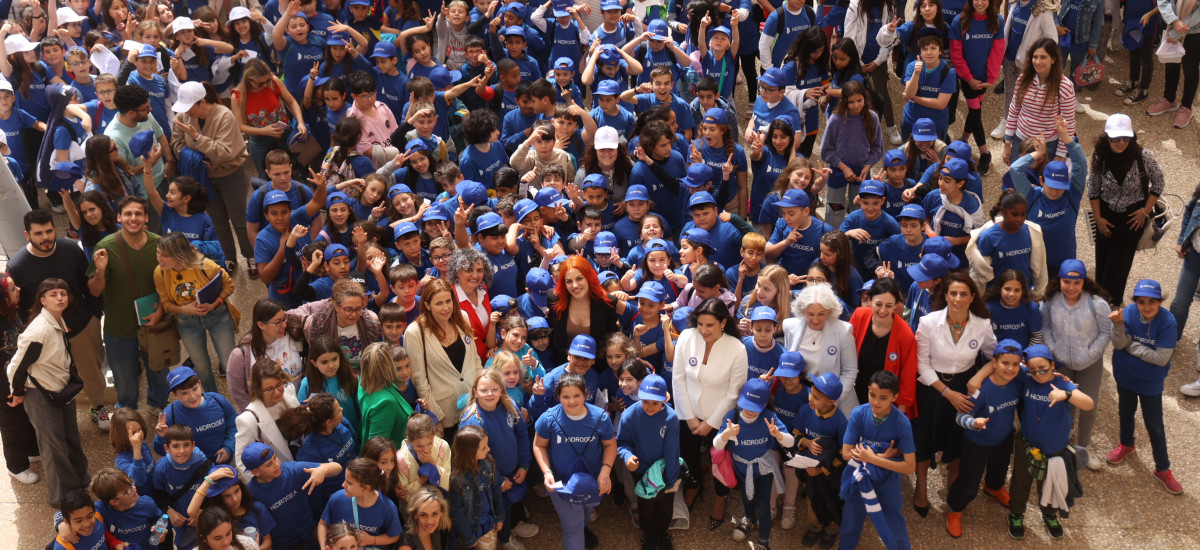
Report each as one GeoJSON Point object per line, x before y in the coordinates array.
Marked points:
{"type": "Point", "coordinates": [998, 133]}
{"type": "Point", "coordinates": [28, 477]}
{"type": "Point", "coordinates": [37, 458]}
{"type": "Point", "coordinates": [513, 544]}
{"type": "Point", "coordinates": [1094, 464]}
{"type": "Point", "coordinates": [1191, 389]}
{"type": "Point", "coordinates": [787, 519]}
{"type": "Point", "coordinates": [894, 135]}
{"type": "Point", "coordinates": [526, 530]}
{"type": "Point", "coordinates": [1078, 106]}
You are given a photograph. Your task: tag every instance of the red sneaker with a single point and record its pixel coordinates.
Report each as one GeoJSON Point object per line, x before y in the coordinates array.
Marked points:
{"type": "Point", "coordinates": [1001, 495]}
{"type": "Point", "coordinates": [1117, 455]}
{"type": "Point", "coordinates": [1168, 481]}
{"type": "Point", "coordinates": [954, 524]}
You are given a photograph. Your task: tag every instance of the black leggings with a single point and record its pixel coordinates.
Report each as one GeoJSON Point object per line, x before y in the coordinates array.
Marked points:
{"type": "Point", "coordinates": [1191, 72]}
{"type": "Point", "coordinates": [1114, 254]}
{"type": "Point", "coordinates": [749, 63]}
{"type": "Point", "coordinates": [1141, 64]}
{"type": "Point", "coordinates": [692, 448]}
{"type": "Point", "coordinates": [655, 513]}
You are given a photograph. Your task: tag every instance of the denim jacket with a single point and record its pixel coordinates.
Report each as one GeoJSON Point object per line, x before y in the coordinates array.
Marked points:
{"type": "Point", "coordinates": [1088, 22]}
{"type": "Point", "coordinates": [466, 501]}
{"type": "Point", "coordinates": [1191, 220]}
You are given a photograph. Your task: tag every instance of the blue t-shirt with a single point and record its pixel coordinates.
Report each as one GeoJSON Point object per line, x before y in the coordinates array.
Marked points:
{"type": "Point", "coordinates": [1021, 13]}
{"type": "Point", "coordinates": [761, 362]}
{"type": "Point", "coordinates": [197, 227]}
{"type": "Point", "coordinates": [1007, 250]}
{"type": "Point", "coordinates": [800, 255]}
{"type": "Point", "coordinates": [132, 525]}
{"type": "Point", "coordinates": [338, 446]}
{"type": "Point", "coordinates": [894, 430]}
{"type": "Point", "coordinates": [879, 229]}
{"type": "Point", "coordinates": [998, 404]}
{"type": "Point", "coordinates": [266, 245]}
{"type": "Point", "coordinates": [622, 122]}
{"type": "Point", "coordinates": [298, 59]}
{"type": "Point", "coordinates": [933, 81]}
{"type": "Point", "coordinates": [508, 436]}
{"type": "Point", "coordinates": [952, 224]}
{"type": "Point", "coordinates": [12, 127]}
{"type": "Point", "coordinates": [723, 70]}
{"type": "Point", "coordinates": [894, 202]}
{"type": "Point", "coordinates": [1045, 427]}
{"type": "Point", "coordinates": [504, 268]}
{"type": "Point", "coordinates": [1139, 375]}
{"type": "Point", "coordinates": [379, 519]}
{"type": "Point", "coordinates": [753, 439]}
{"type": "Point", "coordinates": [575, 438]}
{"type": "Point", "coordinates": [895, 249]}
{"type": "Point", "coordinates": [766, 170]}
{"type": "Point", "coordinates": [826, 432]}
{"type": "Point", "coordinates": [787, 406]}
{"type": "Point", "coordinates": [157, 86]}
{"type": "Point", "coordinates": [976, 43]}
{"type": "Point", "coordinates": [793, 25]}
{"type": "Point", "coordinates": [285, 498]}
{"type": "Point", "coordinates": [479, 166]}
{"type": "Point", "coordinates": [683, 112]}
{"type": "Point", "coordinates": [1018, 323]}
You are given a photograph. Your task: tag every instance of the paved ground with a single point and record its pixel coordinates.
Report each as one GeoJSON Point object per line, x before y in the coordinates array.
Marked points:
{"type": "Point", "coordinates": [1124, 506]}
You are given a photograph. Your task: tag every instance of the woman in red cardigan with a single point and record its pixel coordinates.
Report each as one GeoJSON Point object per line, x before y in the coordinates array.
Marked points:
{"type": "Point", "coordinates": [470, 272]}
{"type": "Point", "coordinates": [885, 342]}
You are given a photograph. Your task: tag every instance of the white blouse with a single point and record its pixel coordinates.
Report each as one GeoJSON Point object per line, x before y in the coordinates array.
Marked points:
{"type": "Point", "coordinates": [937, 352]}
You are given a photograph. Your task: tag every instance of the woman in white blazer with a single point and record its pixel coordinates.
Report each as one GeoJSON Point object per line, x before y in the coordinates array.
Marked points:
{"type": "Point", "coordinates": [952, 341]}
{"type": "Point", "coordinates": [271, 396]}
{"type": "Point", "coordinates": [826, 342]}
{"type": "Point", "coordinates": [441, 347]}
{"type": "Point", "coordinates": [710, 369]}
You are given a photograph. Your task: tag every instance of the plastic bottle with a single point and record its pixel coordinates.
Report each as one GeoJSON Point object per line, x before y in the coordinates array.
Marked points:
{"type": "Point", "coordinates": [251, 532]}
{"type": "Point", "coordinates": [159, 531]}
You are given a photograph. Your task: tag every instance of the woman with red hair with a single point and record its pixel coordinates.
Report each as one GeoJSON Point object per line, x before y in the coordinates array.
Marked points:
{"type": "Point", "coordinates": [583, 307]}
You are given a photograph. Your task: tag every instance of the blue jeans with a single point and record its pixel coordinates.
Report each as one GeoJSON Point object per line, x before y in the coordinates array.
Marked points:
{"type": "Point", "coordinates": [573, 518]}
{"type": "Point", "coordinates": [760, 507]}
{"type": "Point", "coordinates": [1127, 403]}
{"type": "Point", "coordinates": [1185, 291]}
{"type": "Point", "coordinates": [259, 146]}
{"type": "Point", "coordinates": [195, 331]}
{"type": "Point", "coordinates": [126, 360]}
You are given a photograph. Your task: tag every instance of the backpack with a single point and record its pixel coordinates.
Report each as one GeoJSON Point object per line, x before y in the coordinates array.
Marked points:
{"type": "Point", "coordinates": [579, 472]}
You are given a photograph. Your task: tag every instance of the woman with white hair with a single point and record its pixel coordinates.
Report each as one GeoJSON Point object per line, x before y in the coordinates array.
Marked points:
{"type": "Point", "coordinates": [825, 341]}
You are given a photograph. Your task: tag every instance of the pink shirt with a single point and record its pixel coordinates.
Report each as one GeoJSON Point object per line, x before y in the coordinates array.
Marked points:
{"type": "Point", "coordinates": [376, 130]}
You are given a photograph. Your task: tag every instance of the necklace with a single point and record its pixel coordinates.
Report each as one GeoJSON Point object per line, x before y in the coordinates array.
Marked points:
{"type": "Point", "coordinates": [956, 329]}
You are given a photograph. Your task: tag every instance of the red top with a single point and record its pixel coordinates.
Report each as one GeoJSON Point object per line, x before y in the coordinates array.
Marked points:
{"type": "Point", "coordinates": [901, 356]}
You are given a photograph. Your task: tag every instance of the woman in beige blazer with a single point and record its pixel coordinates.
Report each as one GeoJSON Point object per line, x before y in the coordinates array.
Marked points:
{"type": "Point", "coordinates": [442, 350]}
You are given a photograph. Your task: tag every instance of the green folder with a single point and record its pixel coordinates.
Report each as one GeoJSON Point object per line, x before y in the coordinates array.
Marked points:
{"type": "Point", "coordinates": [144, 306]}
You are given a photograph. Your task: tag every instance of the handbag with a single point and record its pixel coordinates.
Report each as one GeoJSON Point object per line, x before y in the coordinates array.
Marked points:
{"type": "Point", "coordinates": [159, 342]}
{"type": "Point", "coordinates": [65, 396]}
{"type": "Point", "coordinates": [1160, 220]}
{"type": "Point", "coordinates": [1091, 71]}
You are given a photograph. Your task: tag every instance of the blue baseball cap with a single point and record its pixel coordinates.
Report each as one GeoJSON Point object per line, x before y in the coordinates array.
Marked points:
{"type": "Point", "coordinates": [580, 489]}
{"type": "Point", "coordinates": [606, 276]}
{"type": "Point", "coordinates": [610, 5]}
{"type": "Point", "coordinates": [959, 149]}
{"type": "Point", "coordinates": [147, 50]}
{"type": "Point", "coordinates": [1056, 175]}
{"type": "Point", "coordinates": [404, 228]}
{"type": "Point", "coordinates": [434, 214]}
{"type": "Point", "coordinates": [609, 55]}
{"type": "Point", "coordinates": [791, 364]}
{"type": "Point", "coordinates": [605, 243]}
{"type": "Point", "coordinates": [66, 173]}
{"type": "Point", "coordinates": [547, 197]}
{"type": "Point", "coordinates": [1147, 288]}
{"type": "Point", "coordinates": [930, 31]}
{"type": "Point", "coordinates": [755, 394]}
{"type": "Point", "coordinates": [501, 302]}
{"type": "Point", "coordinates": [539, 283]}
{"type": "Point", "coordinates": [560, 7]}
{"type": "Point", "coordinates": [637, 192]}
{"type": "Point", "coordinates": [415, 145]}
{"type": "Point", "coordinates": [359, 3]}
{"type": "Point", "coordinates": [177, 376]}
{"type": "Point", "coordinates": [895, 157]}
{"type": "Point", "coordinates": [774, 78]}
{"type": "Point", "coordinates": [318, 83]}
{"type": "Point", "coordinates": [336, 197]}
{"type": "Point", "coordinates": [608, 87]}
{"type": "Point", "coordinates": [595, 180]}
{"type": "Point", "coordinates": [763, 313]}
{"type": "Point", "coordinates": [1038, 350]}
{"type": "Point", "coordinates": [341, 38]}
{"type": "Point", "coordinates": [912, 211]}
{"type": "Point", "coordinates": [653, 388]}
{"type": "Point", "coordinates": [558, 260]}
{"type": "Point", "coordinates": [472, 192]}
{"type": "Point", "coordinates": [656, 244]}
{"type": "Point", "coordinates": [651, 290]}
{"type": "Point", "coordinates": [253, 455]}
{"type": "Point", "coordinates": [563, 64]}
{"type": "Point", "coordinates": [931, 266]}
{"type": "Point", "coordinates": [1072, 265]}
{"type": "Point", "coordinates": [274, 196]}
{"type": "Point", "coordinates": [793, 198]}
{"type": "Point", "coordinates": [872, 187]}
{"type": "Point", "coordinates": [941, 246]}
{"type": "Point", "coordinates": [1008, 346]}
{"type": "Point", "coordinates": [955, 168]}
{"type": "Point", "coordinates": [524, 207]}
{"type": "Point", "coordinates": [829, 384]}
{"type": "Point", "coordinates": [700, 199]}
{"type": "Point", "coordinates": [221, 485]}
{"type": "Point", "coordinates": [442, 77]}
{"type": "Point", "coordinates": [716, 115]}
{"type": "Point", "coordinates": [867, 286]}
{"type": "Point", "coordinates": [698, 236]}
{"type": "Point", "coordinates": [679, 318]}
{"type": "Point", "coordinates": [658, 30]}
{"type": "Point", "coordinates": [698, 174]}
{"type": "Point", "coordinates": [924, 130]}
{"type": "Point", "coordinates": [141, 143]}
{"type": "Point", "coordinates": [488, 221]}
{"type": "Point", "coordinates": [384, 49]}
{"type": "Point", "coordinates": [518, 10]}
{"type": "Point", "coordinates": [514, 30]}
{"type": "Point", "coordinates": [720, 29]}
{"type": "Point", "coordinates": [535, 323]}
{"type": "Point", "coordinates": [583, 346]}
{"type": "Point", "coordinates": [335, 251]}
{"type": "Point", "coordinates": [397, 189]}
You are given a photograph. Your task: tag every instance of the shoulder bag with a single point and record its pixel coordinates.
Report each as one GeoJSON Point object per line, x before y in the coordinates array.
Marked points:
{"type": "Point", "coordinates": [159, 342]}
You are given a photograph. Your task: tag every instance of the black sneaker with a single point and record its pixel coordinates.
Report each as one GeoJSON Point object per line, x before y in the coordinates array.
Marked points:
{"type": "Point", "coordinates": [1125, 88]}
{"type": "Point", "coordinates": [761, 546]}
{"type": "Point", "coordinates": [829, 539]}
{"type": "Point", "coordinates": [742, 529]}
{"type": "Point", "coordinates": [985, 163]}
{"type": "Point", "coordinates": [1139, 95]}
{"type": "Point", "coordinates": [999, 87]}
{"type": "Point", "coordinates": [811, 536]}
{"type": "Point", "coordinates": [590, 540]}
{"type": "Point", "coordinates": [1016, 526]}
{"type": "Point", "coordinates": [618, 497]}
{"type": "Point", "coordinates": [648, 544]}
{"type": "Point", "coordinates": [1053, 526]}
{"type": "Point", "coordinates": [665, 543]}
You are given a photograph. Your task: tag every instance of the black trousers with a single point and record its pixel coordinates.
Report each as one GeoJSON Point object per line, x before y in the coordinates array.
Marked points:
{"type": "Point", "coordinates": [1114, 254]}
{"type": "Point", "coordinates": [1190, 66]}
{"type": "Point", "coordinates": [655, 513]}
{"type": "Point", "coordinates": [822, 491]}
{"type": "Point", "coordinates": [978, 462]}
{"type": "Point", "coordinates": [692, 448]}
{"type": "Point", "coordinates": [16, 433]}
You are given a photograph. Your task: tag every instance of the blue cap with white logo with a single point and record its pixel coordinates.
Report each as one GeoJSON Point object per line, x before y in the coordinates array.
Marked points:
{"type": "Point", "coordinates": [605, 243]}
{"type": "Point", "coordinates": [653, 388]}
{"type": "Point", "coordinates": [763, 313]}
{"type": "Point", "coordinates": [1056, 175]}
{"type": "Point", "coordinates": [791, 364]}
{"type": "Point", "coordinates": [583, 346]}
{"type": "Point", "coordinates": [755, 394]}
{"type": "Point", "coordinates": [637, 192]}
{"type": "Point", "coordinates": [912, 211]}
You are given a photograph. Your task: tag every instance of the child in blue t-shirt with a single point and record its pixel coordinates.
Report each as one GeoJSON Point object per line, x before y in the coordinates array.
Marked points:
{"type": "Point", "coordinates": [174, 480]}
{"type": "Point", "coordinates": [128, 514]}
{"type": "Point", "coordinates": [820, 427]}
{"type": "Point", "coordinates": [930, 82]}
{"type": "Point", "coordinates": [1012, 243]}
{"type": "Point", "coordinates": [762, 351]}
{"type": "Point", "coordinates": [895, 177]}
{"type": "Point", "coordinates": [796, 241]}
{"type": "Point", "coordinates": [788, 397]}
{"type": "Point", "coordinates": [646, 435]}
{"type": "Point", "coordinates": [182, 211]}
{"type": "Point", "coordinates": [81, 522]}
{"type": "Point", "coordinates": [871, 430]}
{"type": "Point", "coordinates": [893, 256]}
{"type": "Point", "coordinates": [360, 501]}
{"type": "Point", "coordinates": [869, 225]}
{"type": "Point", "coordinates": [755, 432]}
{"type": "Point", "coordinates": [1014, 314]}
{"type": "Point", "coordinates": [275, 252]}
{"type": "Point", "coordinates": [952, 211]}
{"type": "Point", "coordinates": [208, 414]}
{"type": "Point", "coordinates": [146, 77]}
{"type": "Point", "coordinates": [128, 433]}
{"type": "Point", "coordinates": [281, 486]}
{"type": "Point", "coordinates": [718, 53]}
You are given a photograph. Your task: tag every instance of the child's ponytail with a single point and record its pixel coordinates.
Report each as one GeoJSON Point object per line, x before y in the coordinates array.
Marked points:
{"type": "Point", "coordinates": [309, 417]}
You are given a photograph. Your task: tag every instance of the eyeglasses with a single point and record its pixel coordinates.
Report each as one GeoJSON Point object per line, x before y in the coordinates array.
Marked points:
{"type": "Point", "coordinates": [440, 257]}
{"type": "Point", "coordinates": [143, 110]}
{"type": "Point", "coordinates": [1042, 372]}
{"type": "Point", "coordinates": [278, 323]}
{"type": "Point", "coordinates": [1120, 139]}
{"type": "Point", "coordinates": [106, 92]}
{"type": "Point", "coordinates": [39, 16]}
{"type": "Point", "coordinates": [114, 149]}
{"type": "Point", "coordinates": [768, 88]}
{"type": "Point", "coordinates": [351, 310]}
{"type": "Point", "coordinates": [276, 388]}
{"type": "Point", "coordinates": [128, 491]}
{"type": "Point", "coordinates": [492, 391]}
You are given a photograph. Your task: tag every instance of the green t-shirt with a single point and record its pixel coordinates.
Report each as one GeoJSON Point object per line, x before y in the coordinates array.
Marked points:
{"type": "Point", "coordinates": [120, 320]}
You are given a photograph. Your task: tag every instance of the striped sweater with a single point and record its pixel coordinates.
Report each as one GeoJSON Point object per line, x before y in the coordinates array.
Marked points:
{"type": "Point", "coordinates": [1030, 116]}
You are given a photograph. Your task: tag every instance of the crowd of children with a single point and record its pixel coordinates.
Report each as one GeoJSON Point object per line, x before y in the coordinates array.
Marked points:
{"type": "Point", "coordinates": [573, 188]}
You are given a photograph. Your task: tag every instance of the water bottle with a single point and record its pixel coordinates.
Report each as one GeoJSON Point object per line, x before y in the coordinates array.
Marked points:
{"type": "Point", "coordinates": [159, 531]}
{"type": "Point", "coordinates": [251, 532]}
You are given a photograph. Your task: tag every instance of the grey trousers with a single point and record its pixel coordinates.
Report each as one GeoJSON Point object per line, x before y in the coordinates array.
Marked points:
{"type": "Point", "coordinates": [229, 207]}
{"type": "Point", "coordinates": [1088, 379]}
{"type": "Point", "coordinates": [58, 440]}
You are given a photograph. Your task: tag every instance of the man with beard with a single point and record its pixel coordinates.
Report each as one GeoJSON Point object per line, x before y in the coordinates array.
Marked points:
{"type": "Point", "coordinates": [122, 271]}
{"type": "Point", "coordinates": [133, 116]}
{"type": "Point", "coordinates": [45, 257]}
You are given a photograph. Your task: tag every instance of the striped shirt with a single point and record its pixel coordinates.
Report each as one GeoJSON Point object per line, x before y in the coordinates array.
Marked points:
{"type": "Point", "coordinates": [1031, 116]}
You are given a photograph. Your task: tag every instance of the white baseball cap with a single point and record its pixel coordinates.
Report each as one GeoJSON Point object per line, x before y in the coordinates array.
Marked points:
{"type": "Point", "coordinates": [17, 43]}
{"type": "Point", "coordinates": [189, 94]}
{"type": "Point", "coordinates": [239, 12]}
{"type": "Point", "coordinates": [182, 23]}
{"type": "Point", "coordinates": [5, 86]}
{"type": "Point", "coordinates": [68, 15]}
{"type": "Point", "coordinates": [1119, 126]}
{"type": "Point", "coordinates": [607, 138]}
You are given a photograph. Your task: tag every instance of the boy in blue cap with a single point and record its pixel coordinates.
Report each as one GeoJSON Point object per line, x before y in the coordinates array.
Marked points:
{"type": "Point", "coordinates": [564, 29]}
{"type": "Point", "coordinates": [581, 356]}
{"type": "Point", "coordinates": [595, 191]}
{"type": "Point", "coordinates": [407, 239]}
{"type": "Point", "coordinates": [895, 176]}
{"type": "Point", "coordinates": [515, 43]}
{"type": "Point", "coordinates": [1054, 205]}
{"type": "Point", "coordinates": [755, 432]}
{"type": "Point", "coordinates": [714, 47]}
{"type": "Point", "coordinates": [490, 234]}
{"type": "Point", "coordinates": [654, 48]}
{"type": "Point", "coordinates": [819, 428]}
{"type": "Point", "coordinates": [564, 75]}
{"type": "Point", "coordinates": [174, 480]}
{"type": "Point", "coordinates": [762, 351]}
{"type": "Point", "coordinates": [209, 414]}
{"type": "Point", "coordinates": [771, 102]}
{"type": "Point", "coordinates": [646, 435]}
{"type": "Point", "coordinates": [926, 275]}
{"type": "Point", "coordinates": [609, 111]}
{"type": "Point", "coordinates": [617, 28]}
{"type": "Point", "coordinates": [726, 239]}
{"type": "Point", "coordinates": [952, 211]}
{"type": "Point", "coordinates": [649, 324]}
{"type": "Point", "coordinates": [278, 168]}
{"type": "Point", "coordinates": [146, 76]}
{"type": "Point", "coordinates": [893, 256]}
{"type": "Point", "coordinates": [391, 85]}
{"type": "Point", "coordinates": [275, 245]}
{"type": "Point", "coordinates": [607, 255]}
{"type": "Point", "coordinates": [282, 487]}
{"type": "Point", "coordinates": [533, 302]}
{"type": "Point", "coordinates": [661, 91]}
{"type": "Point", "coordinates": [868, 225]}
{"type": "Point", "coordinates": [796, 241]}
